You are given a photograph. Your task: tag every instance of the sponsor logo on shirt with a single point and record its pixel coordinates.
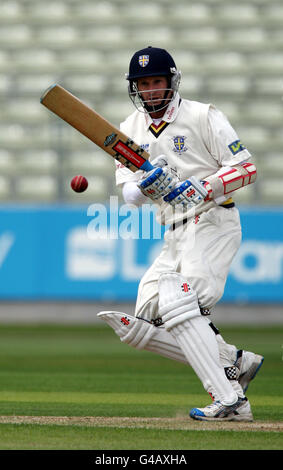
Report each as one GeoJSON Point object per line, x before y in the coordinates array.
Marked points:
{"type": "Point", "coordinates": [236, 147]}
{"type": "Point", "coordinates": [170, 112]}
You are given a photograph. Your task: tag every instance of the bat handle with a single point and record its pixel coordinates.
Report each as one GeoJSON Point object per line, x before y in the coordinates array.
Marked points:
{"type": "Point", "coordinates": [146, 166]}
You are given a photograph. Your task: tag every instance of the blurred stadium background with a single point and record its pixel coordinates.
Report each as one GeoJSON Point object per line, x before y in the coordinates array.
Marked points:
{"type": "Point", "coordinates": [229, 54]}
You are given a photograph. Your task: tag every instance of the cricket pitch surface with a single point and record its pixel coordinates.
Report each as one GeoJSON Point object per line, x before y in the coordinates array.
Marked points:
{"type": "Point", "coordinates": [146, 423]}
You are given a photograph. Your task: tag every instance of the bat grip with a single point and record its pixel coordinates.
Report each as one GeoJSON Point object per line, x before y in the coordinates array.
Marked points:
{"type": "Point", "coordinates": [147, 166]}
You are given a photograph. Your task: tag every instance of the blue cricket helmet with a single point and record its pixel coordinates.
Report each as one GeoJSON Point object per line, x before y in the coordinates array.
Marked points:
{"type": "Point", "coordinates": [150, 62]}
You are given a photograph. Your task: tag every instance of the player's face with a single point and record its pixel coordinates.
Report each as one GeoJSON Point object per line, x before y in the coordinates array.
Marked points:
{"type": "Point", "coordinates": [152, 89]}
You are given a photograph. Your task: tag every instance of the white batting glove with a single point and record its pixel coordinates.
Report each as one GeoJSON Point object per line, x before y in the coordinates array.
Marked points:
{"type": "Point", "coordinates": [159, 181]}
{"type": "Point", "coordinates": [188, 193]}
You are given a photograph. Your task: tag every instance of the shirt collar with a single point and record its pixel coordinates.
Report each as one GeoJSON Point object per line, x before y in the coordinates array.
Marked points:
{"type": "Point", "coordinates": [170, 113]}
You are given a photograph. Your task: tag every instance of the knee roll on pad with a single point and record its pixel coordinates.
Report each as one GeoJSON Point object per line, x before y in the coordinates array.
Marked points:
{"type": "Point", "coordinates": [131, 330]}
{"type": "Point", "coordinates": [140, 334]}
{"type": "Point", "coordinates": [177, 300]}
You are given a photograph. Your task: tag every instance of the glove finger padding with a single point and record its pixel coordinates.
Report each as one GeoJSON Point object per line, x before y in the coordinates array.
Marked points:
{"type": "Point", "coordinates": [188, 193]}
{"type": "Point", "coordinates": [159, 181]}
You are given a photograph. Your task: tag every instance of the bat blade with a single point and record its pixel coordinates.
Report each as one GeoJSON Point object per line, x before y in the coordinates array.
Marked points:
{"type": "Point", "coordinates": [96, 128]}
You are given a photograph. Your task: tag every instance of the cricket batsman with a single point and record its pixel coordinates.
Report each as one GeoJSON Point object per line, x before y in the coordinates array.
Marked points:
{"type": "Point", "coordinates": [198, 162]}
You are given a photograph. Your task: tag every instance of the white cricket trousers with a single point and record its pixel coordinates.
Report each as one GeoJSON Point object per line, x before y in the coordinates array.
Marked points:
{"type": "Point", "coordinates": [202, 251]}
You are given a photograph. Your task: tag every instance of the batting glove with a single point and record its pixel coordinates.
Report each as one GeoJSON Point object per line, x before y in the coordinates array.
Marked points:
{"type": "Point", "coordinates": [188, 193]}
{"type": "Point", "coordinates": [159, 181]}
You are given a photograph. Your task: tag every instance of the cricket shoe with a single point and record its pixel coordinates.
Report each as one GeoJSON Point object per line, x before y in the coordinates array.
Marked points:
{"type": "Point", "coordinates": [249, 365]}
{"type": "Point", "coordinates": [239, 411]}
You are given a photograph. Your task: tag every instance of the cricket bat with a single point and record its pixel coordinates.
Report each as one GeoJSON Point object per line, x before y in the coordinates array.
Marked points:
{"type": "Point", "coordinates": [93, 126]}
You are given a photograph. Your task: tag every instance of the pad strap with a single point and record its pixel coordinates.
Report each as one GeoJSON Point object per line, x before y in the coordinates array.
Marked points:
{"type": "Point", "coordinates": [232, 372]}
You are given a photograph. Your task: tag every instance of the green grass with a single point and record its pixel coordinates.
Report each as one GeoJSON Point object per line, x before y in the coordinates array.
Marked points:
{"type": "Point", "coordinates": [24, 437]}
{"type": "Point", "coordinates": [87, 371]}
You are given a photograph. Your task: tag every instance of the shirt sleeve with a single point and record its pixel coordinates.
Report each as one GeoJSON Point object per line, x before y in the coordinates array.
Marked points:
{"type": "Point", "coordinates": [223, 141]}
{"type": "Point", "coordinates": [124, 175]}
{"type": "Point", "coordinates": [133, 195]}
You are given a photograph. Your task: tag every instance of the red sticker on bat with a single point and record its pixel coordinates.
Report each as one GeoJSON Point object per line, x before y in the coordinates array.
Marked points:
{"type": "Point", "coordinates": [129, 154]}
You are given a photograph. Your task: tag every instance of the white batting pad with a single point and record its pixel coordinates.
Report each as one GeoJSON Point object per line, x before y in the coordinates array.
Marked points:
{"type": "Point", "coordinates": [157, 339]}
{"type": "Point", "coordinates": [199, 345]}
{"type": "Point", "coordinates": [130, 331]}
{"type": "Point", "coordinates": [181, 315]}
{"type": "Point", "coordinates": [177, 300]}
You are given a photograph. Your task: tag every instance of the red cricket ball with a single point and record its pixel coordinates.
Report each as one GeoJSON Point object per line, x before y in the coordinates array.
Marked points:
{"type": "Point", "coordinates": [79, 184]}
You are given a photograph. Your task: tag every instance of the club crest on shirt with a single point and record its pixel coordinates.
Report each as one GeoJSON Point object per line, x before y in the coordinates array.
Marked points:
{"type": "Point", "coordinates": [179, 144]}
{"type": "Point", "coordinates": [143, 60]}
